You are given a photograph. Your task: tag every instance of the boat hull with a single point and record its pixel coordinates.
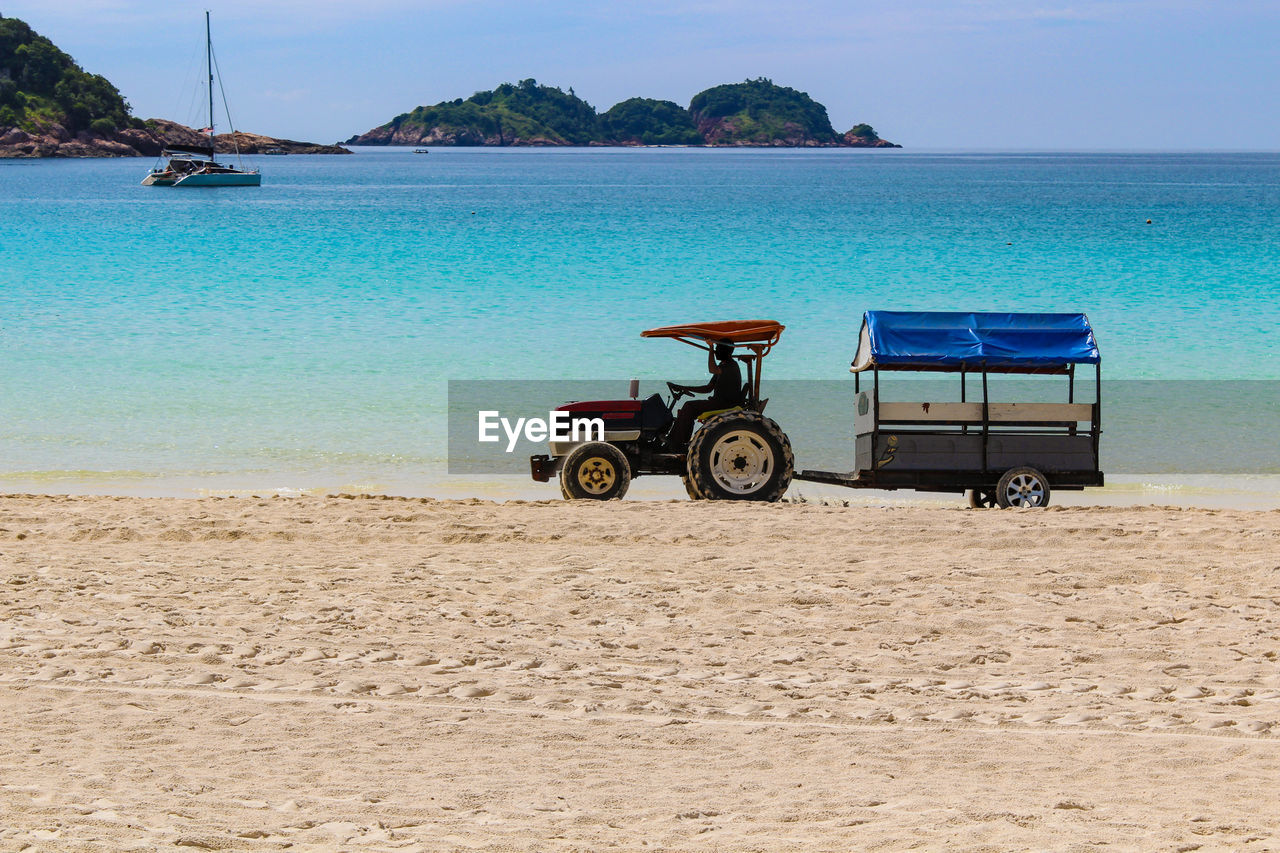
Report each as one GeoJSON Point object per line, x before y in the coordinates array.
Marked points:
{"type": "Point", "coordinates": [220, 179]}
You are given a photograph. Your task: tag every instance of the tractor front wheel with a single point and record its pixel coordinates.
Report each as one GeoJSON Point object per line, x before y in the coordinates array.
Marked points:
{"type": "Point", "coordinates": [595, 471]}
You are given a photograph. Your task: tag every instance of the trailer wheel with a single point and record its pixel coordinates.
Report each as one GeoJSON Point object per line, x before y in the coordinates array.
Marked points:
{"type": "Point", "coordinates": [740, 456]}
{"type": "Point", "coordinates": [1023, 487]}
{"type": "Point", "coordinates": [981, 498]}
{"type": "Point", "coordinates": [595, 471]}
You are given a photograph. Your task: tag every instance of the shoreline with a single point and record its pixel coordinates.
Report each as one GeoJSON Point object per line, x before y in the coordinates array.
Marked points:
{"type": "Point", "coordinates": [1192, 491]}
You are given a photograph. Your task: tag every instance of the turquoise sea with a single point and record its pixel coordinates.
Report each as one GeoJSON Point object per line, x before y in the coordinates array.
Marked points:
{"type": "Point", "coordinates": [299, 336]}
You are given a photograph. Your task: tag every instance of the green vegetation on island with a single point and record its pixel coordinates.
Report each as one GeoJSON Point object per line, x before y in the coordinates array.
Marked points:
{"type": "Point", "coordinates": [753, 113]}
{"type": "Point", "coordinates": [759, 112]}
{"type": "Point", "coordinates": [41, 86]}
{"type": "Point", "coordinates": [524, 113]}
{"type": "Point", "coordinates": [51, 107]}
{"type": "Point", "coordinates": [644, 121]}
{"type": "Point", "coordinates": [563, 114]}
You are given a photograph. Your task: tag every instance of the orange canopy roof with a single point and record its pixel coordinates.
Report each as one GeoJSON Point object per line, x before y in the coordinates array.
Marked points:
{"type": "Point", "coordinates": [728, 331]}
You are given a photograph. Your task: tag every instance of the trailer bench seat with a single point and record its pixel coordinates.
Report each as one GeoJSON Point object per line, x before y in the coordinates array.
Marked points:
{"type": "Point", "coordinates": [997, 412]}
{"type": "Point", "coordinates": [1065, 415]}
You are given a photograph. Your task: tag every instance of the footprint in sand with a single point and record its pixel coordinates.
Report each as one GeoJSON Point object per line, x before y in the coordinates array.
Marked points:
{"type": "Point", "coordinates": [1114, 690]}
{"type": "Point", "coordinates": [392, 690]}
{"type": "Point", "coordinates": [951, 716]}
{"type": "Point", "coordinates": [312, 684]}
{"type": "Point", "coordinates": [350, 686]}
{"type": "Point", "coordinates": [471, 691]}
{"type": "Point", "coordinates": [422, 660]}
{"type": "Point", "coordinates": [449, 665]}
{"type": "Point", "coordinates": [1214, 723]}
{"type": "Point", "coordinates": [1077, 719]}
{"type": "Point", "coordinates": [517, 696]}
{"type": "Point", "coordinates": [1040, 717]}
{"type": "Point", "coordinates": [1163, 723]}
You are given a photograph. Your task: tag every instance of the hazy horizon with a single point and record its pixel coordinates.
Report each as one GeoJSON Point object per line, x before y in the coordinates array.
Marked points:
{"type": "Point", "coordinates": [975, 75]}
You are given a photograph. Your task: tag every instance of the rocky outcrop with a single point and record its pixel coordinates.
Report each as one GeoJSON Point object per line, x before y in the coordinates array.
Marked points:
{"type": "Point", "coordinates": [865, 136]}
{"type": "Point", "coordinates": [172, 133]}
{"type": "Point", "coordinates": [863, 142]}
{"type": "Point", "coordinates": [54, 140]}
{"type": "Point", "coordinates": [730, 132]}
{"type": "Point", "coordinates": [255, 143]}
{"type": "Point", "coordinates": [447, 135]}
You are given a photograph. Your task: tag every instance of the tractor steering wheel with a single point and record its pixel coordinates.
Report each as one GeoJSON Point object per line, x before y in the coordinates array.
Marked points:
{"type": "Point", "coordinates": [677, 391]}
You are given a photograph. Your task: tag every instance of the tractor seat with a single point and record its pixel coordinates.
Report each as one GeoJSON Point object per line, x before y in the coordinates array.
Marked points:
{"type": "Point", "coordinates": [706, 416]}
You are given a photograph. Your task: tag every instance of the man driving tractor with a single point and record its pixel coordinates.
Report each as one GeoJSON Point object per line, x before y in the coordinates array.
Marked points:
{"type": "Point", "coordinates": [725, 387]}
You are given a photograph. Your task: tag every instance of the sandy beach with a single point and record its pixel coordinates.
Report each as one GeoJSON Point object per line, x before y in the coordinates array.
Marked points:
{"type": "Point", "coordinates": [394, 674]}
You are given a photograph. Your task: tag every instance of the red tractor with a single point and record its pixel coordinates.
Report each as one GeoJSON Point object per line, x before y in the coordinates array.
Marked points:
{"type": "Point", "coordinates": [734, 453]}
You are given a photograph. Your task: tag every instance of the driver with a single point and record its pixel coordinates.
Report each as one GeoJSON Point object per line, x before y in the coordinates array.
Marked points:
{"type": "Point", "coordinates": [725, 387]}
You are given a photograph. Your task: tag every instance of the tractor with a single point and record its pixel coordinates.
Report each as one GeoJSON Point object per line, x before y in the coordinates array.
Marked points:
{"type": "Point", "coordinates": [735, 453]}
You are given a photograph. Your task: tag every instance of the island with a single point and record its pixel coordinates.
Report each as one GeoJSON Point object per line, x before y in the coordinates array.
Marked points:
{"type": "Point", "coordinates": [51, 107]}
{"type": "Point", "coordinates": [754, 113]}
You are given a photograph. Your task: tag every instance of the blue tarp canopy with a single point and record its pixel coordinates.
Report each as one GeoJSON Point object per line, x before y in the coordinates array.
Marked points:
{"type": "Point", "coordinates": [954, 340]}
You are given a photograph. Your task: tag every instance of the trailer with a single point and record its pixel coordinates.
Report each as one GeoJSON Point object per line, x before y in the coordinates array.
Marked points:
{"type": "Point", "coordinates": [998, 453]}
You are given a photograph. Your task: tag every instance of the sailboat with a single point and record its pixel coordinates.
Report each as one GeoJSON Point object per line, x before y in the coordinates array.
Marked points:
{"type": "Point", "coordinates": [195, 165]}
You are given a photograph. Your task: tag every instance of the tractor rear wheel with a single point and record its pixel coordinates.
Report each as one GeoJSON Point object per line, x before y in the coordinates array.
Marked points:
{"type": "Point", "coordinates": [740, 456]}
{"type": "Point", "coordinates": [689, 488]}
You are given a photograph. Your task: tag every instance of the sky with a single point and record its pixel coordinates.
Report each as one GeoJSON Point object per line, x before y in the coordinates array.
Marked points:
{"type": "Point", "coordinates": [992, 75]}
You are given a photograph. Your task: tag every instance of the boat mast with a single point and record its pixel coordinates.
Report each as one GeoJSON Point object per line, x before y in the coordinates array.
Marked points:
{"type": "Point", "coordinates": [208, 55]}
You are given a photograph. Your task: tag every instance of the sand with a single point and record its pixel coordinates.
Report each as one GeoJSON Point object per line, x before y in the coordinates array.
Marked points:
{"type": "Point", "coordinates": [390, 674]}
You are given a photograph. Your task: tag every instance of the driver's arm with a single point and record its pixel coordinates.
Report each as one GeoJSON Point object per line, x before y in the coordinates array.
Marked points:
{"type": "Point", "coordinates": [714, 367]}
{"type": "Point", "coordinates": [692, 389]}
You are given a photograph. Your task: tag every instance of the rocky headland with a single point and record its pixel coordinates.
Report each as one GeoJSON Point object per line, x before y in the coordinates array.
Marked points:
{"type": "Point", "coordinates": [54, 140]}
{"type": "Point", "coordinates": [51, 107]}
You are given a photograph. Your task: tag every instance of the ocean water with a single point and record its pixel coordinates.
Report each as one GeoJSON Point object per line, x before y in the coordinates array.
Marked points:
{"type": "Point", "coordinates": [299, 336]}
